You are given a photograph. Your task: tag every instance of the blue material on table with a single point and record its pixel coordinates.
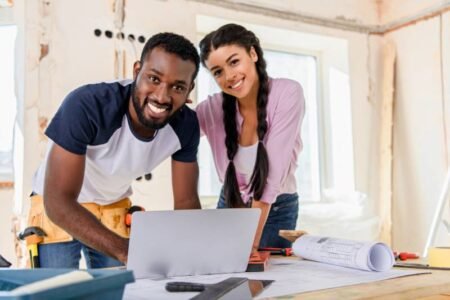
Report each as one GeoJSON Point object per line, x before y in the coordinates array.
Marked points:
{"type": "Point", "coordinates": [106, 284]}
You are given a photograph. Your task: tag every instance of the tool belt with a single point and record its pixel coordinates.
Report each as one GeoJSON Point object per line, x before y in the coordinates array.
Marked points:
{"type": "Point", "coordinates": [112, 216]}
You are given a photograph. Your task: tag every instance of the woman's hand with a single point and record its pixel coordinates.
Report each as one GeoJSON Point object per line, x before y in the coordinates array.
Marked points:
{"type": "Point", "coordinates": [254, 256]}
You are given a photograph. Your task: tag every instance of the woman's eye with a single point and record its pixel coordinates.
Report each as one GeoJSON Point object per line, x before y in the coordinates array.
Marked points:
{"type": "Point", "coordinates": [234, 62]}
{"type": "Point", "coordinates": [217, 73]}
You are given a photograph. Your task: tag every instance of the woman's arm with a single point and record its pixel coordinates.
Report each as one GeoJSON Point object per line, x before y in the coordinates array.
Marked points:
{"type": "Point", "coordinates": [280, 142]}
{"type": "Point", "coordinates": [265, 209]}
{"type": "Point", "coordinates": [281, 138]}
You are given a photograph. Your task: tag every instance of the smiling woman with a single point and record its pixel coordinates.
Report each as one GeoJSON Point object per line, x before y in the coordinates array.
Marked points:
{"type": "Point", "coordinates": [253, 127]}
{"type": "Point", "coordinates": [7, 101]}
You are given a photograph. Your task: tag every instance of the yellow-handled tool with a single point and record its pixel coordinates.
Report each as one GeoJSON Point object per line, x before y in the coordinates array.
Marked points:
{"type": "Point", "coordinates": [33, 237]}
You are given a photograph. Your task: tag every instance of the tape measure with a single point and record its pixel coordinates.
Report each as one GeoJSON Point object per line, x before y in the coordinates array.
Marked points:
{"type": "Point", "coordinates": [439, 257]}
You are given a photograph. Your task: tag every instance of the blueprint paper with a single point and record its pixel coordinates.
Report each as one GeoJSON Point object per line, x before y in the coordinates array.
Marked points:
{"type": "Point", "coordinates": [292, 276]}
{"type": "Point", "coordinates": [369, 256]}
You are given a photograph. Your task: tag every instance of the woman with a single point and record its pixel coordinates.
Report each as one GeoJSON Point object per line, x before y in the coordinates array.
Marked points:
{"type": "Point", "coordinates": [253, 128]}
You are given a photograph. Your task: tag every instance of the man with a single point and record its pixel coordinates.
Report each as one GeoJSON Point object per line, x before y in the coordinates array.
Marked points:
{"type": "Point", "coordinates": [102, 137]}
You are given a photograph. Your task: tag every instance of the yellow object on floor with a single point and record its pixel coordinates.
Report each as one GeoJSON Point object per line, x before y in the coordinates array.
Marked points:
{"type": "Point", "coordinates": [439, 257]}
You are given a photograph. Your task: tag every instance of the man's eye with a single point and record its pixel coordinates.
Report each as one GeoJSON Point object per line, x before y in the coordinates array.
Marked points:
{"type": "Point", "coordinates": [179, 88]}
{"type": "Point", "coordinates": [234, 62]}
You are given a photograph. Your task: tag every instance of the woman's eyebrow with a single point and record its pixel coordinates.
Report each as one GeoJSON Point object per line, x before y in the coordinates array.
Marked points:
{"type": "Point", "coordinates": [228, 59]}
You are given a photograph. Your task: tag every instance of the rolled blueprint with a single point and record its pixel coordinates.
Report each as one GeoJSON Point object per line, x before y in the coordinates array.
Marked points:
{"type": "Point", "coordinates": [369, 256]}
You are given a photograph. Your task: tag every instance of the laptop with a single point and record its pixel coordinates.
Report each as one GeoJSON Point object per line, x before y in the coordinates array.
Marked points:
{"type": "Point", "coordinates": [191, 242]}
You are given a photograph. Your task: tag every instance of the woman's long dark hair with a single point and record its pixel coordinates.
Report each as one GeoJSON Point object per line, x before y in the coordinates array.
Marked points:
{"type": "Point", "coordinates": [233, 34]}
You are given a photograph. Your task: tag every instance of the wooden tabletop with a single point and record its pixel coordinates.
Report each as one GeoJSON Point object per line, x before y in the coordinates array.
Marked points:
{"type": "Point", "coordinates": [433, 286]}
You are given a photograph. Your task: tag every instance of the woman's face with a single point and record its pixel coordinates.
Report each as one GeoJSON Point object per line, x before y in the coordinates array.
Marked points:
{"type": "Point", "coordinates": [234, 69]}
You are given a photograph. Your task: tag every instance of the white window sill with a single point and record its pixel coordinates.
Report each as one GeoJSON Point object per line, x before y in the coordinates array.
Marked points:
{"type": "Point", "coordinates": [338, 219]}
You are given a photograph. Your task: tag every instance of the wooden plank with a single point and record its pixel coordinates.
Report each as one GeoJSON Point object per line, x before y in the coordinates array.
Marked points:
{"type": "Point", "coordinates": [6, 184]}
{"type": "Point", "coordinates": [409, 287]}
{"type": "Point", "coordinates": [386, 139]}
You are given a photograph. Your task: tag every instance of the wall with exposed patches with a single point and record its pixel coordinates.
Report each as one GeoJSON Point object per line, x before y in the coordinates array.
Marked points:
{"type": "Point", "coordinates": [421, 129]}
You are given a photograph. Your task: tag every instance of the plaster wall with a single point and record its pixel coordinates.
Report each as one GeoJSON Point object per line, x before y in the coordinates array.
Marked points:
{"type": "Point", "coordinates": [421, 130]}
{"type": "Point", "coordinates": [393, 10]}
{"type": "Point", "coordinates": [359, 12]}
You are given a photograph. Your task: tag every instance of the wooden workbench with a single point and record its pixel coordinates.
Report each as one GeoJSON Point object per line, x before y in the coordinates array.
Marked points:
{"type": "Point", "coordinates": [434, 286]}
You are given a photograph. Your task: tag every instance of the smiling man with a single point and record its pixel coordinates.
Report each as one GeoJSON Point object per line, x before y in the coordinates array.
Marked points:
{"type": "Point", "coordinates": [102, 137]}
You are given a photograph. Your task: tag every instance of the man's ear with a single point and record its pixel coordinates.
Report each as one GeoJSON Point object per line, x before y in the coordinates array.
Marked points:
{"type": "Point", "coordinates": [189, 101]}
{"type": "Point", "coordinates": [136, 69]}
{"type": "Point", "coordinates": [253, 54]}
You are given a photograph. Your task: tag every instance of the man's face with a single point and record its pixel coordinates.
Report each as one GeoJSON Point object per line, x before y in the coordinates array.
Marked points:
{"type": "Point", "coordinates": [162, 85]}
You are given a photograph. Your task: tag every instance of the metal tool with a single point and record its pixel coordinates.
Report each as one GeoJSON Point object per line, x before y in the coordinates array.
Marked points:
{"type": "Point", "coordinates": [231, 288]}
{"type": "Point", "coordinates": [33, 236]}
{"type": "Point", "coordinates": [278, 251]}
{"type": "Point", "coordinates": [4, 263]}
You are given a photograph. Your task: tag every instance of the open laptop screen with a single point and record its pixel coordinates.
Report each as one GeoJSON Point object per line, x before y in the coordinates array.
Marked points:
{"type": "Point", "coordinates": [191, 242]}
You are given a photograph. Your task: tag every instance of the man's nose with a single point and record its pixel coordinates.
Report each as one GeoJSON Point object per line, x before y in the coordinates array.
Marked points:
{"type": "Point", "coordinates": [161, 93]}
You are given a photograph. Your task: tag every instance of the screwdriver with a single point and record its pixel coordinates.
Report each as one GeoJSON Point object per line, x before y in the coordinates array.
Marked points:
{"type": "Point", "coordinates": [277, 251]}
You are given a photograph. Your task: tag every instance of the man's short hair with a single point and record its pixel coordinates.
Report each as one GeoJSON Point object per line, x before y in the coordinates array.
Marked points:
{"type": "Point", "coordinates": [174, 44]}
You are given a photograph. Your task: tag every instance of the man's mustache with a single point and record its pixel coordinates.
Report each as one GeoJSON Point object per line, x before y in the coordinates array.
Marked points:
{"type": "Point", "coordinates": [167, 106]}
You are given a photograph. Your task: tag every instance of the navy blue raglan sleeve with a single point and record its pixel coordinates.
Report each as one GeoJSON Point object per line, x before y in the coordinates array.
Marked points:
{"type": "Point", "coordinates": [73, 126]}
{"type": "Point", "coordinates": [188, 131]}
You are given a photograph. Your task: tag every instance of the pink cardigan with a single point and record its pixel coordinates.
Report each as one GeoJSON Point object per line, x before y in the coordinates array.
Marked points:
{"type": "Point", "coordinates": [285, 112]}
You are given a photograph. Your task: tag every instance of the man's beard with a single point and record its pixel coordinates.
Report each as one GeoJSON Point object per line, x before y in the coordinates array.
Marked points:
{"type": "Point", "coordinates": [149, 123]}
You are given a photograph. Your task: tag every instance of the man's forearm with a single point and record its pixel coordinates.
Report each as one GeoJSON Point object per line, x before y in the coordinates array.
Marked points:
{"type": "Point", "coordinates": [191, 203]}
{"type": "Point", "coordinates": [83, 226]}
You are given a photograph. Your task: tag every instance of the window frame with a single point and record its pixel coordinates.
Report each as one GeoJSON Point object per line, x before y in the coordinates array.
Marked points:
{"type": "Point", "coordinates": [7, 178]}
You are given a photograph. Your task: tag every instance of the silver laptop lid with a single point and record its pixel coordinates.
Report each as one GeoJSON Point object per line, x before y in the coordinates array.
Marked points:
{"type": "Point", "coordinates": [191, 242]}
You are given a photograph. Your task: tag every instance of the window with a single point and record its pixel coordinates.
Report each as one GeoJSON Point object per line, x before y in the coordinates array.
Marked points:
{"type": "Point", "coordinates": [7, 100]}
{"type": "Point", "coordinates": [279, 64]}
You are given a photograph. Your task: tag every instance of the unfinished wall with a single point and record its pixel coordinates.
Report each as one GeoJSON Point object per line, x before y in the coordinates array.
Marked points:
{"type": "Point", "coordinates": [75, 56]}
{"type": "Point", "coordinates": [358, 12]}
{"type": "Point", "coordinates": [394, 10]}
{"type": "Point", "coordinates": [421, 129]}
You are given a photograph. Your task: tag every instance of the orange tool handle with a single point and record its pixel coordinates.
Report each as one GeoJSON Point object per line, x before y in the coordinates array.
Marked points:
{"type": "Point", "coordinates": [132, 210]}
{"type": "Point", "coordinates": [405, 255]}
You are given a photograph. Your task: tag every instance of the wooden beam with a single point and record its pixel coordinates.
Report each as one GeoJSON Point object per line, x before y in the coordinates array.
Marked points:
{"type": "Point", "coordinates": [386, 141]}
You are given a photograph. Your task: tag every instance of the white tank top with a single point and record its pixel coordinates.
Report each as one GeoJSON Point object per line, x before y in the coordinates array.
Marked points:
{"type": "Point", "coordinates": [244, 162]}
